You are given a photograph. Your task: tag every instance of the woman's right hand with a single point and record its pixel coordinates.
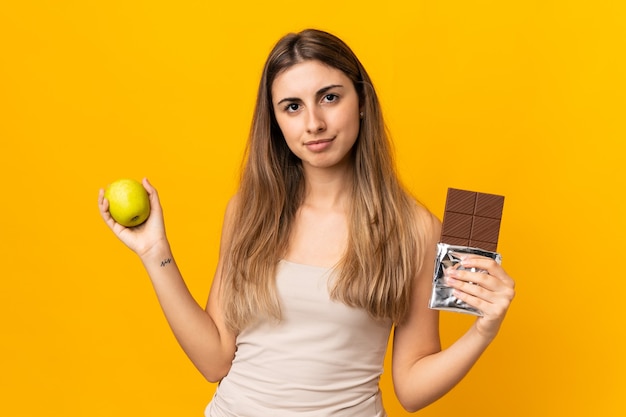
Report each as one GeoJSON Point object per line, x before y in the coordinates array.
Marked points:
{"type": "Point", "coordinates": [140, 239]}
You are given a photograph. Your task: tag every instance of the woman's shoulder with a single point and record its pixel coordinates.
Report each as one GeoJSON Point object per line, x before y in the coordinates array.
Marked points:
{"type": "Point", "coordinates": [230, 214]}
{"type": "Point", "coordinates": [425, 220]}
{"type": "Point", "coordinates": [236, 203]}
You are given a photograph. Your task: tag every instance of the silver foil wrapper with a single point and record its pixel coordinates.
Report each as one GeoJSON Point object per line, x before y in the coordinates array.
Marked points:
{"type": "Point", "coordinates": [449, 256]}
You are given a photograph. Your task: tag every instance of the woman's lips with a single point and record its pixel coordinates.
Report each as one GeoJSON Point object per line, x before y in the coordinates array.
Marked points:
{"type": "Point", "coordinates": [318, 145]}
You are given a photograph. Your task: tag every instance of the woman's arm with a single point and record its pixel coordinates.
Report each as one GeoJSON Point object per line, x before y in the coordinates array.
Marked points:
{"type": "Point", "coordinates": [201, 332]}
{"type": "Point", "coordinates": [422, 372]}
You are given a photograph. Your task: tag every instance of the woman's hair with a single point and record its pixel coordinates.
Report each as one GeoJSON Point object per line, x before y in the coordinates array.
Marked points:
{"type": "Point", "coordinates": [381, 257]}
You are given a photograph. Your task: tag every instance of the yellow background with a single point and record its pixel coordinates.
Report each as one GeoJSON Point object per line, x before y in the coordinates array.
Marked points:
{"type": "Point", "coordinates": [524, 98]}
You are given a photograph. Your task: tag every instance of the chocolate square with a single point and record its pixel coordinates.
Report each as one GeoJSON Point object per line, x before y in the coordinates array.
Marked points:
{"type": "Point", "coordinates": [457, 241]}
{"type": "Point", "coordinates": [460, 201]}
{"type": "Point", "coordinates": [458, 225]}
{"type": "Point", "coordinates": [488, 246]}
{"type": "Point", "coordinates": [485, 229]}
{"type": "Point", "coordinates": [489, 205]}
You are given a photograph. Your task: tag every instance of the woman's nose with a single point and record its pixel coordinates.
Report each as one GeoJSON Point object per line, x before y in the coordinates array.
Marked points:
{"type": "Point", "coordinates": [315, 121]}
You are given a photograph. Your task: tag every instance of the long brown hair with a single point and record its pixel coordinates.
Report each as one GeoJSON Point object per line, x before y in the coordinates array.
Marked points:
{"type": "Point", "coordinates": [382, 255]}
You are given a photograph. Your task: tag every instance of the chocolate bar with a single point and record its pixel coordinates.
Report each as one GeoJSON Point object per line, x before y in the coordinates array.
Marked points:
{"type": "Point", "coordinates": [472, 219]}
{"type": "Point", "coordinates": [471, 225]}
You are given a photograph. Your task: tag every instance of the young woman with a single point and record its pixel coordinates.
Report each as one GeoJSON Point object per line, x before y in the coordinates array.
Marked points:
{"type": "Point", "coordinates": [322, 253]}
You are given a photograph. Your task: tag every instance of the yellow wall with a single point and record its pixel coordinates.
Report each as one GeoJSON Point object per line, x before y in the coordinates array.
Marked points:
{"type": "Point", "coordinates": [524, 98]}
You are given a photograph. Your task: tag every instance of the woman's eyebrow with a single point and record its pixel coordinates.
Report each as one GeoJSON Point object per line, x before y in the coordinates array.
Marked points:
{"type": "Point", "coordinates": [323, 90]}
{"type": "Point", "coordinates": [319, 92]}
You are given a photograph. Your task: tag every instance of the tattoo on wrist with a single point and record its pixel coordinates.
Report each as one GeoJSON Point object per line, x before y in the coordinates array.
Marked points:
{"type": "Point", "coordinates": [165, 262]}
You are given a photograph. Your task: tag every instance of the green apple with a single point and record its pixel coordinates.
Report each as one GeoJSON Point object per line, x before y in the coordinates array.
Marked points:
{"type": "Point", "coordinates": [129, 204]}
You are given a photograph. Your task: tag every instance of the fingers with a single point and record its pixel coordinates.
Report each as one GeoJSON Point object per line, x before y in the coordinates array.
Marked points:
{"type": "Point", "coordinates": [101, 200]}
{"type": "Point", "coordinates": [148, 186]}
{"type": "Point", "coordinates": [488, 265]}
{"type": "Point", "coordinates": [152, 192]}
{"type": "Point", "coordinates": [479, 282]}
{"type": "Point", "coordinates": [153, 195]}
{"type": "Point", "coordinates": [467, 278]}
{"type": "Point", "coordinates": [103, 205]}
{"type": "Point", "coordinates": [483, 284]}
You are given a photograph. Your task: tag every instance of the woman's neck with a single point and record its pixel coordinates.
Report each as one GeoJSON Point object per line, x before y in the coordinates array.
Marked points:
{"type": "Point", "coordinates": [328, 188]}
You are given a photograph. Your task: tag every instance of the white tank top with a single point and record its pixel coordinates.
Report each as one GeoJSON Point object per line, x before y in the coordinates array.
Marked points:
{"type": "Point", "coordinates": [322, 359]}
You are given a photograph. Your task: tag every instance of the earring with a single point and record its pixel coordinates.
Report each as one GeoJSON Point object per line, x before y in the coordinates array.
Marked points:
{"type": "Point", "coordinates": [361, 114]}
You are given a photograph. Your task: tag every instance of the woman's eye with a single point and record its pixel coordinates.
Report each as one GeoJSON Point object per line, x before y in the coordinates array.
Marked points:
{"type": "Point", "coordinates": [292, 107]}
{"type": "Point", "coordinates": [329, 98]}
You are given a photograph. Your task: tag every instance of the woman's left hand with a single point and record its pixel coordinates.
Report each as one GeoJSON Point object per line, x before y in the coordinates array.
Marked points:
{"type": "Point", "coordinates": [483, 284]}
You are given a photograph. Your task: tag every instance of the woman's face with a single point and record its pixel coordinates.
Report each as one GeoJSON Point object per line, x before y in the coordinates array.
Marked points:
{"type": "Point", "coordinates": [317, 110]}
